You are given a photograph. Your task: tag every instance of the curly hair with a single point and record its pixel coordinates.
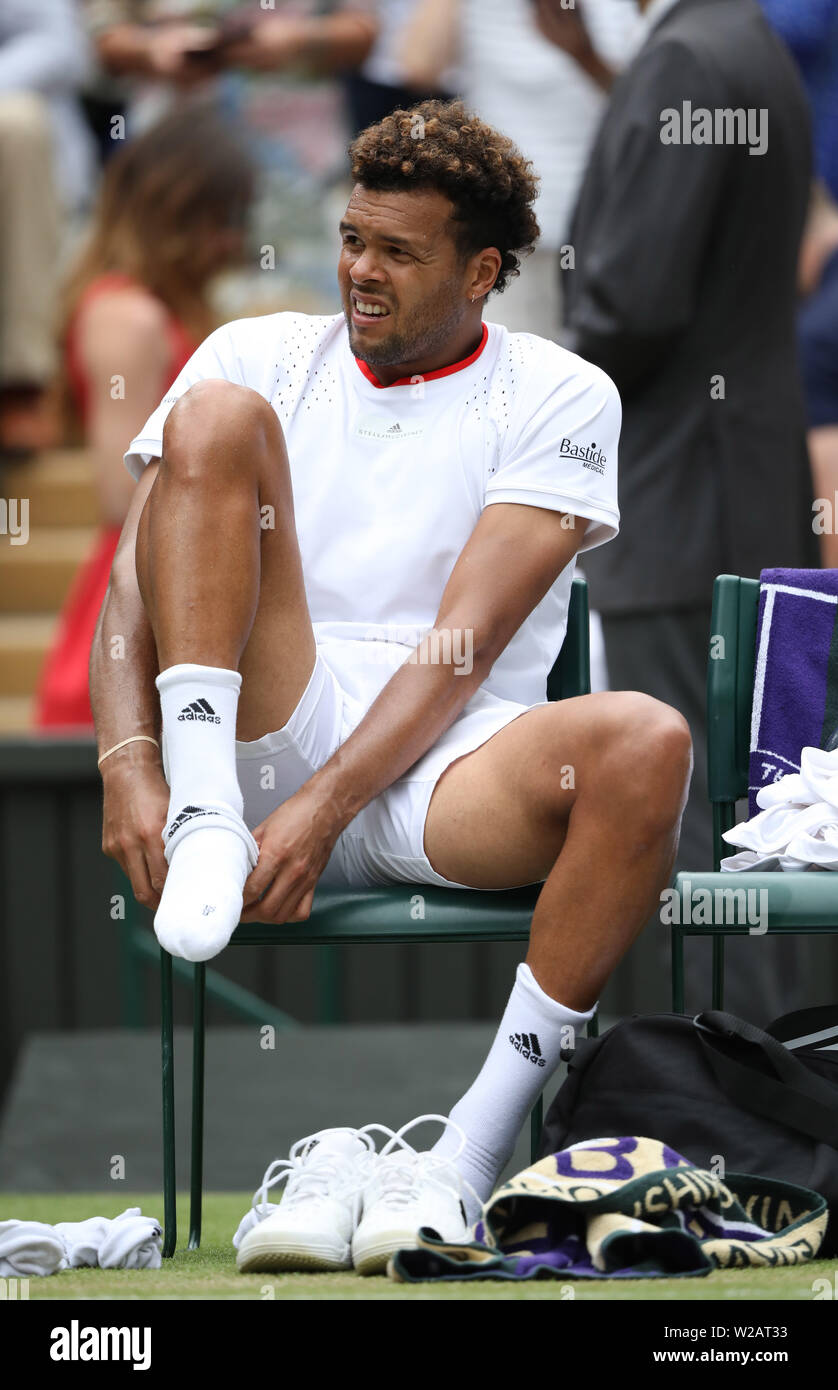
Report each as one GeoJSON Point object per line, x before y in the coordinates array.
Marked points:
{"type": "Point", "coordinates": [443, 146]}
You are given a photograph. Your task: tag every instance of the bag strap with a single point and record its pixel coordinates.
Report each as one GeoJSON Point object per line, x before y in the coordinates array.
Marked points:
{"type": "Point", "coordinates": [817, 1027]}
{"type": "Point", "coordinates": [792, 1096]}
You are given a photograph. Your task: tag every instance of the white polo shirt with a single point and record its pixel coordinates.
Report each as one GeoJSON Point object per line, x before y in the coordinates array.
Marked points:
{"type": "Point", "coordinates": [390, 481]}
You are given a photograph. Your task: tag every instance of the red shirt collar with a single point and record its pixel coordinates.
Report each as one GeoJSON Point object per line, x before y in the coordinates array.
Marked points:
{"type": "Point", "coordinates": [426, 376]}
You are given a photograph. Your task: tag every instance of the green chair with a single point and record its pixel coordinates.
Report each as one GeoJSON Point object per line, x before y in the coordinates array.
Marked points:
{"type": "Point", "coordinates": [375, 914]}
{"type": "Point", "coordinates": [805, 902]}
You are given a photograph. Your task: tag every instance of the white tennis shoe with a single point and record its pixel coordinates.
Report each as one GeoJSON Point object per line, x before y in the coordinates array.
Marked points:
{"type": "Point", "coordinates": [345, 1204]}
{"type": "Point", "coordinates": [403, 1191]}
{"type": "Point", "coordinates": [312, 1227]}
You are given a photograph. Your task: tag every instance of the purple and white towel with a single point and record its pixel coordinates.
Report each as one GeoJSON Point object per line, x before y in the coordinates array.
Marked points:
{"type": "Point", "coordinates": [795, 702]}
{"type": "Point", "coordinates": [624, 1208]}
{"type": "Point", "coordinates": [793, 780]}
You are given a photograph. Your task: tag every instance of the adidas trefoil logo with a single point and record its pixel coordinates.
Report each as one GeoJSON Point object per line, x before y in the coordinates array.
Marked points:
{"type": "Point", "coordinates": [202, 711]}
{"type": "Point", "coordinates": [527, 1045]}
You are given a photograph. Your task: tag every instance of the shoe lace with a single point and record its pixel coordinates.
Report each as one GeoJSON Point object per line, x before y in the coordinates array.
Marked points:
{"type": "Point", "coordinates": [400, 1180]}
{"type": "Point", "coordinates": [309, 1172]}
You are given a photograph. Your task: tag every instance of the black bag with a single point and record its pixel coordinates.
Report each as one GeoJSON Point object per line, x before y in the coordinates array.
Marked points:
{"type": "Point", "coordinates": [714, 1087]}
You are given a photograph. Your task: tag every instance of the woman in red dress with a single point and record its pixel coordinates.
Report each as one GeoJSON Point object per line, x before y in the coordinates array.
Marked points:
{"type": "Point", "coordinates": [170, 216]}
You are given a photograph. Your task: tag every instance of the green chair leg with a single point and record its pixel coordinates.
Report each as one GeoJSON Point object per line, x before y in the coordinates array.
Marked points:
{"type": "Point", "coordinates": [677, 971]}
{"type": "Point", "coordinates": [168, 1069]}
{"type": "Point", "coordinates": [536, 1122]}
{"type": "Point", "coordinates": [718, 972]}
{"type": "Point", "coordinates": [199, 1034]}
{"type": "Point", "coordinates": [592, 1030]}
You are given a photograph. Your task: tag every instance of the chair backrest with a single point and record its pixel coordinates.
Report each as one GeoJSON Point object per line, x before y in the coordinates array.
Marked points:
{"type": "Point", "coordinates": [730, 686]}
{"type": "Point", "coordinates": [571, 673]}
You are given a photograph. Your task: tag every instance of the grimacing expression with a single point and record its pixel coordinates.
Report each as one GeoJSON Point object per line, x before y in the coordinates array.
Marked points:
{"type": "Point", "coordinates": [401, 275]}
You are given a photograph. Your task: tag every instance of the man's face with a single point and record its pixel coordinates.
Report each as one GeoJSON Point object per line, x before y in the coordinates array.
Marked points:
{"type": "Point", "coordinates": [401, 278]}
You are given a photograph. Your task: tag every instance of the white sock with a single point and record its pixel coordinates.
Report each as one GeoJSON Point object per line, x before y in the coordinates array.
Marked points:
{"type": "Point", "coordinates": [523, 1057]}
{"type": "Point", "coordinates": [129, 1241]}
{"type": "Point", "coordinates": [207, 845]}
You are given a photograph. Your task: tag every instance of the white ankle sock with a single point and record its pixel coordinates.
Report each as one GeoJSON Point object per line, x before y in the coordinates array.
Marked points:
{"type": "Point", "coordinates": [207, 845]}
{"type": "Point", "coordinates": [199, 705]}
{"type": "Point", "coordinates": [521, 1061]}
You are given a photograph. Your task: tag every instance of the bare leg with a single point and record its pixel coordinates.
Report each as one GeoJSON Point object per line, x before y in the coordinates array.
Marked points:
{"type": "Point", "coordinates": [219, 571]}
{"type": "Point", "coordinates": [586, 793]}
{"type": "Point", "coordinates": [222, 587]}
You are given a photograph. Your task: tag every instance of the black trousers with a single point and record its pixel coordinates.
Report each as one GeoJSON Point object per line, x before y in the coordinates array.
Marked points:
{"type": "Point", "coordinates": [665, 654]}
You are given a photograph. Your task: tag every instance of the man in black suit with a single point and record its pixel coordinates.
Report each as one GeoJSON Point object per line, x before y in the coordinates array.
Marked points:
{"type": "Point", "coordinates": [686, 237]}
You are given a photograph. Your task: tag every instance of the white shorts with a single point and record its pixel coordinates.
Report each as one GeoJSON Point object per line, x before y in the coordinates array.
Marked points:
{"type": "Point", "coordinates": [385, 843]}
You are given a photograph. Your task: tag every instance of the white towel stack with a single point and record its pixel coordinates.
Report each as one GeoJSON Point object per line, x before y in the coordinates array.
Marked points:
{"type": "Point", "coordinates": [797, 825]}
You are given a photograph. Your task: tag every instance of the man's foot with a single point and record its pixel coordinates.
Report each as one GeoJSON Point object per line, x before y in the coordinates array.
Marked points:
{"type": "Point", "coordinates": [313, 1226]}
{"type": "Point", "coordinates": [404, 1191]}
{"type": "Point", "coordinates": [210, 853]}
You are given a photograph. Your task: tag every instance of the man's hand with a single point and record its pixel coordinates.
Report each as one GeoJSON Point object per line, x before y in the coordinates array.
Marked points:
{"type": "Point", "coordinates": [295, 843]}
{"type": "Point", "coordinates": [270, 45]}
{"type": "Point", "coordinates": [182, 53]}
{"type": "Point", "coordinates": [136, 807]}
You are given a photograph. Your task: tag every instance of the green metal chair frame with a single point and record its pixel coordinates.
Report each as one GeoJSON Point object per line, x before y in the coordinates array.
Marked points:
{"type": "Point", "coordinates": [806, 902]}
{"type": "Point", "coordinates": [342, 917]}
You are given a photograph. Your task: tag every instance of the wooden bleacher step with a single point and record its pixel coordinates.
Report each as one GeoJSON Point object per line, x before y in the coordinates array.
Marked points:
{"type": "Point", "coordinates": [59, 485]}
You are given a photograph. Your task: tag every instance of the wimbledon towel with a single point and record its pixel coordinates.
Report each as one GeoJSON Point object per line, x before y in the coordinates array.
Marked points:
{"type": "Point", "coordinates": [796, 674]}
{"type": "Point", "coordinates": [625, 1208]}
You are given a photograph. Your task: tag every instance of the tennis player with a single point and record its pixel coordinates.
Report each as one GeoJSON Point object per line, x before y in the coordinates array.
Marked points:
{"type": "Point", "coordinates": [343, 581]}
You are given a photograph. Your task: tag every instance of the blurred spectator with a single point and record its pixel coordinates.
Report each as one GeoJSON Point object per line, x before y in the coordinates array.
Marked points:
{"type": "Point", "coordinates": [818, 337]}
{"type": "Point", "coordinates": [810, 28]}
{"type": "Point", "coordinates": [532, 69]}
{"type": "Point", "coordinates": [170, 216]}
{"type": "Point", "coordinates": [384, 80]}
{"type": "Point", "coordinates": [173, 45]}
{"type": "Point", "coordinates": [684, 293]}
{"type": "Point", "coordinates": [274, 70]}
{"type": "Point", "coordinates": [46, 168]}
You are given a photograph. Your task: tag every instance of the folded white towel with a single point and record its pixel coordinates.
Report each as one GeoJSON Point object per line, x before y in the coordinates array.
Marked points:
{"type": "Point", "coordinates": [797, 823]}
{"type": "Point", "coordinates": [819, 773]}
{"type": "Point", "coordinates": [29, 1248]}
{"type": "Point", "coordinates": [791, 790]}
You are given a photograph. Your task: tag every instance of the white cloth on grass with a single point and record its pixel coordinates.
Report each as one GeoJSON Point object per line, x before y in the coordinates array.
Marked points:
{"type": "Point", "coordinates": [29, 1248]}
{"type": "Point", "coordinates": [129, 1241]}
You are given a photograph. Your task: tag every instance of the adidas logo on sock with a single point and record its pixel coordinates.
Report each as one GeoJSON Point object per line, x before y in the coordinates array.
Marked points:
{"type": "Point", "coordinates": [527, 1045]}
{"type": "Point", "coordinates": [200, 710]}
{"type": "Point", "coordinates": [394, 429]}
{"type": "Point", "coordinates": [188, 813]}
